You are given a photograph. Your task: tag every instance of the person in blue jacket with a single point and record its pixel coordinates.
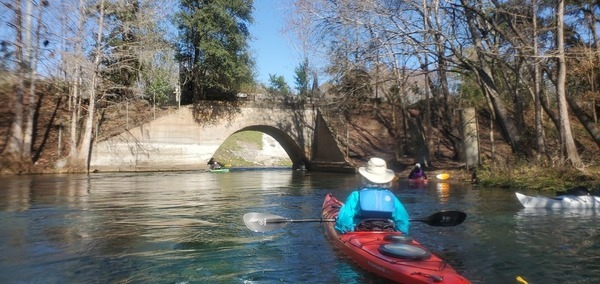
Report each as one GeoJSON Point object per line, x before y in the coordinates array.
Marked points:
{"type": "Point", "coordinates": [374, 200]}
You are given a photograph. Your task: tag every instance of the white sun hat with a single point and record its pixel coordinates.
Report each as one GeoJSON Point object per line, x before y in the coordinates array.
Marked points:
{"type": "Point", "coordinates": [376, 171]}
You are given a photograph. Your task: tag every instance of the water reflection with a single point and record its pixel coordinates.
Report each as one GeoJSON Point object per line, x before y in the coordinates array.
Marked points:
{"type": "Point", "coordinates": [186, 227]}
{"type": "Point", "coordinates": [148, 226]}
{"type": "Point", "coordinates": [564, 213]}
{"type": "Point", "coordinates": [20, 192]}
{"type": "Point", "coordinates": [443, 191]}
{"type": "Point", "coordinates": [561, 240]}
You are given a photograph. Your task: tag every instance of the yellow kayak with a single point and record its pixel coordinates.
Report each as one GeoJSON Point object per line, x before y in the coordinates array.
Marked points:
{"type": "Point", "coordinates": [443, 176]}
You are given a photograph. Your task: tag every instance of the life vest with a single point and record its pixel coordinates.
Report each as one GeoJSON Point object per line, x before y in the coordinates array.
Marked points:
{"type": "Point", "coordinates": [416, 173]}
{"type": "Point", "coordinates": [376, 203]}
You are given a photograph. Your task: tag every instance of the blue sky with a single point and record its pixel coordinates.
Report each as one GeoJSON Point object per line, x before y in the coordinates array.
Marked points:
{"type": "Point", "coordinates": [272, 49]}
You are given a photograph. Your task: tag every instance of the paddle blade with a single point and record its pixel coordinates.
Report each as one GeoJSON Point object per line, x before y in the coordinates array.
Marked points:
{"type": "Point", "coordinates": [444, 218]}
{"type": "Point", "coordinates": [264, 222]}
{"type": "Point", "coordinates": [443, 176]}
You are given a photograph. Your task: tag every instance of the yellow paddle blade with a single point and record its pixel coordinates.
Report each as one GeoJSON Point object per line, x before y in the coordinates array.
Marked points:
{"type": "Point", "coordinates": [521, 280]}
{"type": "Point", "coordinates": [443, 176]}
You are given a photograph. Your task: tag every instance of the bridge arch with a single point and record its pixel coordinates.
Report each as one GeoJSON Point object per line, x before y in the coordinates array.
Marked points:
{"type": "Point", "coordinates": [179, 142]}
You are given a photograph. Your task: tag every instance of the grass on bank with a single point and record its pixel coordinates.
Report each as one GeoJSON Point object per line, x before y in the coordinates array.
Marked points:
{"type": "Point", "coordinates": [538, 178]}
{"type": "Point", "coordinates": [226, 152]}
{"type": "Point", "coordinates": [238, 146]}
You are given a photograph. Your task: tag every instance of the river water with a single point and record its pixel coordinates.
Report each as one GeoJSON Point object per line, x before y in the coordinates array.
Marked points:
{"type": "Point", "coordinates": [186, 227]}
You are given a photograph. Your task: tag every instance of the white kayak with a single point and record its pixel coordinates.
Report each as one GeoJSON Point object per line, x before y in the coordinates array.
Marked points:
{"type": "Point", "coordinates": [563, 201]}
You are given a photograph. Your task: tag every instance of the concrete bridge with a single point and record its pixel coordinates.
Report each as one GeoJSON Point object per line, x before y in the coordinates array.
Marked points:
{"type": "Point", "coordinates": [187, 138]}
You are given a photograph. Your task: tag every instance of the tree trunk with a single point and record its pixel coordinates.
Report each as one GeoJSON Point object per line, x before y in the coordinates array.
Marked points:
{"type": "Point", "coordinates": [539, 127]}
{"type": "Point", "coordinates": [587, 122]}
{"type": "Point", "coordinates": [86, 142]}
{"type": "Point", "coordinates": [502, 117]}
{"type": "Point", "coordinates": [74, 119]}
{"type": "Point", "coordinates": [14, 147]}
{"type": "Point", "coordinates": [486, 80]}
{"type": "Point", "coordinates": [32, 63]}
{"type": "Point", "coordinates": [75, 100]}
{"type": "Point", "coordinates": [565, 125]}
{"type": "Point", "coordinates": [427, 88]}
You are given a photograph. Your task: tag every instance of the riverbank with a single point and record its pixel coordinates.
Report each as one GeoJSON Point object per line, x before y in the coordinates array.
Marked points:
{"type": "Point", "coordinates": [369, 137]}
{"type": "Point", "coordinates": [541, 179]}
{"type": "Point", "coordinates": [250, 149]}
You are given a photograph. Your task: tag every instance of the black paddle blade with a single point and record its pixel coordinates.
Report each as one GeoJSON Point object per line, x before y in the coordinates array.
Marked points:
{"type": "Point", "coordinates": [445, 218]}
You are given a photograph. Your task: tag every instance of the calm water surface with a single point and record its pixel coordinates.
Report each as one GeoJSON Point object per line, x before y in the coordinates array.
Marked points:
{"type": "Point", "coordinates": [186, 227]}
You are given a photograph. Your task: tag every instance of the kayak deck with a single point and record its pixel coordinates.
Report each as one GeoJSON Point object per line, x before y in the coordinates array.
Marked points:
{"type": "Point", "coordinates": [418, 180]}
{"type": "Point", "coordinates": [563, 201]}
{"type": "Point", "coordinates": [389, 254]}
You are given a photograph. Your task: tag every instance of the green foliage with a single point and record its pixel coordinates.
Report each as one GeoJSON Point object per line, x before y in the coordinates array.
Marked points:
{"type": "Point", "coordinates": [160, 79]}
{"type": "Point", "coordinates": [213, 45]}
{"type": "Point", "coordinates": [278, 85]}
{"type": "Point", "coordinates": [159, 90]}
{"type": "Point", "coordinates": [301, 77]}
{"type": "Point", "coordinates": [470, 92]}
{"type": "Point", "coordinates": [122, 64]}
{"type": "Point", "coordinates": [315, 89]}
{"type": "Point", "coordinates": [6, 55]}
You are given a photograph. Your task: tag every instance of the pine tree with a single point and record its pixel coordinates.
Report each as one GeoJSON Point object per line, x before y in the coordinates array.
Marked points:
{"type": "Point", "coordinates": [213, 47]}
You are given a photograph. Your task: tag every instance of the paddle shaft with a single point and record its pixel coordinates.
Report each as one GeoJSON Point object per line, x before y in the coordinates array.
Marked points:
{"type": "Point", "coordinates": [262, 222]}
{"type": "Point", "coordinates": [320, 220]}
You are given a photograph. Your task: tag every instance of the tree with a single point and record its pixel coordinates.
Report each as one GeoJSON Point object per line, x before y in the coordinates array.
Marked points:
{"type": "Point", "coordinates": [14, 147]}
{"type": "Point", "coordinates": [566, 136]}
{"type": "Point", "coordinates": [315, 91]}
{"type": "Point", "coordinates": [213, 45]}
{"type": "Point", "coordinates": [122, 62]}
{"type": "Point", "coordinates": [138, 53]}
{"type": "Point", "coordinates": [302, 78]}
{"type": "Point", "coordinates": [278, 86]}
{"type": "Point", "coordinates": [539, 128]}
{"type": "Point", "coordinates": [84, 149]}
{"type": "Point", "coordinates": [27, 28]}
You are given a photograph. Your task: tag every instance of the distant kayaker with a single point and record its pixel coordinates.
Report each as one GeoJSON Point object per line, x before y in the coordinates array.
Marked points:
{"type": "Point", "coordinates": [373, 201]}
{"type": "Point", "coordinates": [417, 172]}
{"type": "Point", "coordinates": [577, 191]}
{"type": "Point", "coordinates": [214, 165]}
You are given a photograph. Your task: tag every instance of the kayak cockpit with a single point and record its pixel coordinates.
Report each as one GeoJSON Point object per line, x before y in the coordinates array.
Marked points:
{"type": "Point", "coordinates": [404, 251]}
{"type": "Point", "coordinates": [391, 247]}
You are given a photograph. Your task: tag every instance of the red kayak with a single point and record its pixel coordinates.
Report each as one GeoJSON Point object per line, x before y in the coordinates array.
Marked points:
{"type": "Point", "coordinates": [418, 180]}
{"type": "Point", "coordinates": [391, 255]}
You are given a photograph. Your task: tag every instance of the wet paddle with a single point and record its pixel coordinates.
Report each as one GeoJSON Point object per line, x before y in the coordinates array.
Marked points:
{"type": "Point", "coordinates": [264, 222]}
